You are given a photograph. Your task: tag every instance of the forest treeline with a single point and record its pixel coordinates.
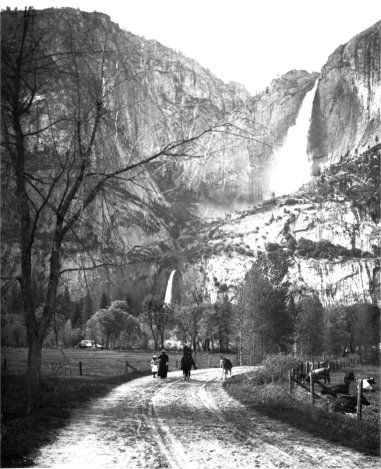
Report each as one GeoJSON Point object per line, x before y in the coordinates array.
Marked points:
{"type": "Point", "coordinates": [262, 316]}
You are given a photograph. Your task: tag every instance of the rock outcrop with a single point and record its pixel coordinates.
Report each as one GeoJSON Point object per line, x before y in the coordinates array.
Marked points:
{"type": "Point", "coordinates": [346, 116]}
{"type": "Point", "coordinates": [332, 249]}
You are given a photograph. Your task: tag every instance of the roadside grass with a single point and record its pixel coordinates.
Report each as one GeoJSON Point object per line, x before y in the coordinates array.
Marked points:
{"type": "Point", "coordinates": [24, 432]}
{"type": "Point", "coordinates": [275, 401]}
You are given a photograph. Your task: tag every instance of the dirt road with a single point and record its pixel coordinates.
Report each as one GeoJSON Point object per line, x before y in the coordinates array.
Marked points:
{"type": "Point", "coordinates": [172, 423]}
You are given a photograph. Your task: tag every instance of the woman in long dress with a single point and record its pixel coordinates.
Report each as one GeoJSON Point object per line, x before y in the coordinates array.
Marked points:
{"type": "Point", "coordinates": [163, 364]}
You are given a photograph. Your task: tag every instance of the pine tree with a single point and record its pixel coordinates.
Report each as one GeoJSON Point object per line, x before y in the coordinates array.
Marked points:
{"type": "Point", "coordinates": [105, 301]}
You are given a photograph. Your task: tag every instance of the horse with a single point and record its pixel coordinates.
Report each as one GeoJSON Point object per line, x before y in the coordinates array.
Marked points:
{"type": "Point", "coordinates": [226, 367]}
{"type": "Point", "coordinates": [186, 364]}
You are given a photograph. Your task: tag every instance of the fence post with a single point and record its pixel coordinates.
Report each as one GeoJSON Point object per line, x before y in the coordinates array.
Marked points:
{"type": "Point", "coordinates": [5, 365]}
{"type": "Point", "coordinates": [80, 368]}
{"type": "Point", "coordinates": [126, 368]}
{"type": "Point", "coordinates": [359, 396]}
{"type": "Point", "coordinates": [307, 368]}
{"type": "Point", "coordinates": [312, 388]}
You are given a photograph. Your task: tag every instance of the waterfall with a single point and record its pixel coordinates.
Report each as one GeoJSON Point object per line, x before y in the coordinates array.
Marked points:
{"type": "Point", "coordinates": [292, 168]}
{"type": "Point", "coordinates": [168, 292]}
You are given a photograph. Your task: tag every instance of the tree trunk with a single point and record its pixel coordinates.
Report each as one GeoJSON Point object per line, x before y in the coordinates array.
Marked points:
{"type": "Point", "coordinates": [195, 343]}
{"type": "Point", "coordinates": [34, 369]}
{"type": "Point", "coordinates": [107, 340]}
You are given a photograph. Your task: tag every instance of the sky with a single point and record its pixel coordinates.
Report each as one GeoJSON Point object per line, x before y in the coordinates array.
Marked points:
{"type": "Point", "coordinates": [247, 41]}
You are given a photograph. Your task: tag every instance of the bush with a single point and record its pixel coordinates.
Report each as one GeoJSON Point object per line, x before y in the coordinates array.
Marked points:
{"type": "Point", "coordinates": [272, 247]}
{"type": "Point", "coordinates": [324, 249]}
{"type": "Point", "coordinates": [259, 377]}
{"type": "Point", "coordinates": [277, 366]}
{"type": "Point", "coordinates": [291, 202]}
{"type": "Point", "coordinates": [223, 288]}
{"type": "Point", "coordinates": [291, 243]}
{"type": "Point", "coordinates": [241, 250]}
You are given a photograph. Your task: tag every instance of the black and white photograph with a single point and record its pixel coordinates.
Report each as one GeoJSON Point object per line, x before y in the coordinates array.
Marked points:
{"type": "Point", "coordinates": [190, 234]}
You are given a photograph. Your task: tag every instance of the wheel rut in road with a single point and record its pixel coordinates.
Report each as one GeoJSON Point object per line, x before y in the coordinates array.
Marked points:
{"type": "Point", "coordinates": [172, 423]}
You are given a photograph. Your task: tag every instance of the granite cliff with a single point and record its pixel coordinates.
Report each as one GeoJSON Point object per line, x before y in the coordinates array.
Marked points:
{"type": "Point", "coordinates": [346, 112]}
{"type": "Point", "coordinates": [216, 211]}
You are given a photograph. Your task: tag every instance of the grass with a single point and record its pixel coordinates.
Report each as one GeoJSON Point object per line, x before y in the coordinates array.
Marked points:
{"type": "Point", "coordinates": [24, 432]}
{"type": "Point", "coordinates": [96, 362]}
{"type": "Point", "coordinates": [275, 401]}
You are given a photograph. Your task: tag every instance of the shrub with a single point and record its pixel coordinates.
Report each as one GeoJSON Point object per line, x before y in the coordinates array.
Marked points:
{"type": "Point", "coordinates": [291, 201]}
{"type": "Point", "coordinates": [277, 366]}
{"type": "Point", "coordinates": [223, 288]}
{"type": "Point", "coordinates": [291, 243]}
{"type": "Point", "coordinates": [241, 250]}
{"type": "Point", "coordinates": [272, 247]}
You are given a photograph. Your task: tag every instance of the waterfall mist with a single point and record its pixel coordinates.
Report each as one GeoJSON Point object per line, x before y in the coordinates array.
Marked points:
{"type": "Point", "coordinates": [292, 167]}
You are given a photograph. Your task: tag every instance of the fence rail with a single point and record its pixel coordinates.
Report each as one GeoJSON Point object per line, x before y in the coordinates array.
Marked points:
{"type": "Point", "coordinates": [306, 368]}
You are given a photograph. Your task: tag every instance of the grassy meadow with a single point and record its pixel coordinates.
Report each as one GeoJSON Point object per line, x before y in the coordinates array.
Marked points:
{"type": "Point", "coordinates": [55, 362]}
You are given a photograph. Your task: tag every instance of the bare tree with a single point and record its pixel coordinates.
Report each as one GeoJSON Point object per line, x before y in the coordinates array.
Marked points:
{"type": "Point", "coordinates": [158, 317]}
{"type": "Point", "coordinates": [190, 314]}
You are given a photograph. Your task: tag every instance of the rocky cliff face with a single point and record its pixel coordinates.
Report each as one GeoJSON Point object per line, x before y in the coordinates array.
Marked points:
{"type": "Point", "coordinates": [346, 112]}
{"type": "Point", "coordinates": [332, 246]}
{"type": "Point", "coordinates": [240, 175]}
{"type": "Point", "coordinates": [160, 97]}
{"type": "Point", "coordinates": [163, 96]}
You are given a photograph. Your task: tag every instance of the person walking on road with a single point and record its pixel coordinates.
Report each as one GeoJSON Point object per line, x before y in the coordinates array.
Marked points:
{"type": "Point", "coordinates": [154, 365]}
{"type": "Point", "coordinates": [163, 364]}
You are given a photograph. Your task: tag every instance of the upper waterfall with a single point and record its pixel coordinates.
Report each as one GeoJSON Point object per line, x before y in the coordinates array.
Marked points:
{"type": "Point", "coordinates": [168, 292]}
{"type": "Point", "coordinates": [292, 167]}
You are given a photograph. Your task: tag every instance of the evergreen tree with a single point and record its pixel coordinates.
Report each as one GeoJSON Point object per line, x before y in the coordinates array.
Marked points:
{"type": "Point", "coordinates": [87, 308]}
{"type": "Point", "coordinates": [76, 318]}
{"type": "Point", "coordinates": [266, 324]}
{"type": "Point", "coordinates": [223, 320]}
{"type": "Point", "coordinates": [310, 326]}
{"type": "Point", "coordinates": [105, 301]}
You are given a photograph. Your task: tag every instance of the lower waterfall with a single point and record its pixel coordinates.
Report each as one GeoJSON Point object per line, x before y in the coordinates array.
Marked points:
{"type": "Point", "coordinates": [168, 292]}
{"type": "Point", "coordinates": [292, 168]}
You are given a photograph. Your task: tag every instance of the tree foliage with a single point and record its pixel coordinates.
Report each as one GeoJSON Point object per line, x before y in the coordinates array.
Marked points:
{"type": "Point", "coordinates": [309, 326]}
{"type": "Point", "coordinates": [356, 179]}
{"type": "Point", "coordinates": [352, 328]}
{"type": "Point", "coordinates": [266, 325]}
{"type": "Point", "coordinates": [219, 323]}
{"type": "Point", "coordinates": [107, 325]}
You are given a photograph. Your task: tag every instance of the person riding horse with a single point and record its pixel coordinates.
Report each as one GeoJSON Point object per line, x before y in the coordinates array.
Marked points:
{"type": "Point", "coordinates": [186, 364]}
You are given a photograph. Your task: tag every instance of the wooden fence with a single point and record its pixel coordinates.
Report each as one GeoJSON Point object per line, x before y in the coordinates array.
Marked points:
{"type": "Point", "coordinates": [306, 368]}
